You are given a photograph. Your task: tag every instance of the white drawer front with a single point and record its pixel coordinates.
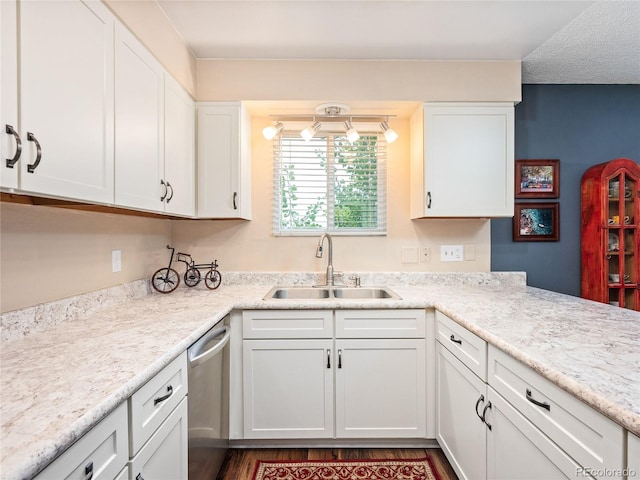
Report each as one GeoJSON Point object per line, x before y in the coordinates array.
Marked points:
{"type": "Point", "coordinates": [165, 455]}
{"type": "Point", "coordinates": [594, 441]}
{"type": "Point", "coordinates": [104, 450]}
{"type": "Point", "coordinates": [155, 400]}
{"type": "Point", "coordinates": [287, 324]}
{"type": "Point", "coordinates": [380, 324]}
{"type": "Point", "coordinates": [466, 346]}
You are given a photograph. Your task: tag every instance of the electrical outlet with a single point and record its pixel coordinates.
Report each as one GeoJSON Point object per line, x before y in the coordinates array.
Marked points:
{"type": "Point", "coordinates": [426, 255]}
{"type": "Point", "coordinates": [451, 253]}
{"type": "Point", "coordinates": [116, 260]}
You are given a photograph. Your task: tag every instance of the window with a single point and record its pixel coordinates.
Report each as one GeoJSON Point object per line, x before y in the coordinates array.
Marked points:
{"type": "Point", "coordinates": [329, 185]}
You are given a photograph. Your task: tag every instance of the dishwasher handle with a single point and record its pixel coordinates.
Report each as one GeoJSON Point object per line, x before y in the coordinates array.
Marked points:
{"type": "Point", "coordinates": [197, 356]}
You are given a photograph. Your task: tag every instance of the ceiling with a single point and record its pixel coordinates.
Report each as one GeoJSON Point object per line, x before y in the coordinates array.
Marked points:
{"type": "Point", "coordinates": [573, 41]}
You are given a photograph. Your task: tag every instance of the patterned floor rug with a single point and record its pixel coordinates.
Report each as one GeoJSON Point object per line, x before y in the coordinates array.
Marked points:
{"type": "Point", "coordinates": [415, 469]}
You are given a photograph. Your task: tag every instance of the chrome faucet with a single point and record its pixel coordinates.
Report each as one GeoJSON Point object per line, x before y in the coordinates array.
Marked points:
{"type": "Point", "coordinates": [330, 259]}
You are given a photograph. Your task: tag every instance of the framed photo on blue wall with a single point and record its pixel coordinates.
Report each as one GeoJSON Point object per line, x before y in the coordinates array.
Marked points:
{"type": "Point", "coordinates": [537, 178]}
{"type": "Point", "coordinates": [536, 222]}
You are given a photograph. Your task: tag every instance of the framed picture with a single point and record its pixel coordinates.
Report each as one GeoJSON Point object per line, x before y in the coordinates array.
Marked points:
{"type": "Point", "coordinates": [537, 179]}
{"type": "Point", "coordinates": [536, 222]}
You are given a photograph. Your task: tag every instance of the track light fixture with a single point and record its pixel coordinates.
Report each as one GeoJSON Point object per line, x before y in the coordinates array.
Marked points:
{"type": "Point", "coordinates": [308, 133]}
{"type": "Point", "coordinates": [352, 133]}
{"type": "Point", "coordinates": [327, 114]}
{"type": "Point", "coordinates": [389, 133]}
{"type": "Point", "coordinates": [271, 131]}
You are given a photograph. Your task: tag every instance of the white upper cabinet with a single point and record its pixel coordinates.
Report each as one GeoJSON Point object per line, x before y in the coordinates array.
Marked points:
{"type": "Point", "coordinates": [139, 125]}
{"type": "Point", "coordinates": [224, 161]}
{"type": "Point", "coordinates": [66, 99]}
{"type": "Point", "coordinates": [179, 149]}
{"type": "Point", "coordinates": [462, 160]}
{"type": "Point", "coordinates": [10, 143]}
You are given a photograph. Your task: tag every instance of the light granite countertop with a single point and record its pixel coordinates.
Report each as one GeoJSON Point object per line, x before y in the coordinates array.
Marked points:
{"type": "Point", "coordinates": [59, 380]}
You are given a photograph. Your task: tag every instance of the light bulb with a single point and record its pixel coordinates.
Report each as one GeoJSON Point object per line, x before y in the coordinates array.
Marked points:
{"type": "Point", "coordinates": [352, 133]}
{"type": "Point", "coordinates": [271, 131]}
{"type": "Point", "coordinates": [308, 133]}
{"type": "Point", "coordinates": [389, 133]}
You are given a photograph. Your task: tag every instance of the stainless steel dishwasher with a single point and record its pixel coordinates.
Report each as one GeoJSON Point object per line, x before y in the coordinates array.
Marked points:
{"type": "Point", "coordinates": [208, 420]}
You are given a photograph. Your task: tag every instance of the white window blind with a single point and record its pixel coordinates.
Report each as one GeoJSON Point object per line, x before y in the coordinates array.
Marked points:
{"type": "Point", "coordinates": [329, 185]}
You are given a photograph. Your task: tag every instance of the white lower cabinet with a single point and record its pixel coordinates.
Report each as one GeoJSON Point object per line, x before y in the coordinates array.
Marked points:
{"type": "Point", "coordinates": [290, 385]}
{"type": "Point", "coordinates": [380, 388]}
{"type": "Point", "coordinates": [100, 454]}
{"type": "Point", "coordinates": [507, 422]}
{"type": "Point", "coordinates": [633, 455]}
{"type": "Point", "coordinates": [158, 425]}
{"type": "Point", "coordinates": [164, 456]}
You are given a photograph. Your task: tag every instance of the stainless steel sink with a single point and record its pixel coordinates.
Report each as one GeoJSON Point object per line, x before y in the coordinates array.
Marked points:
{"type": "Point", "coordinates": [320, 293]}
{"type": "Point", "coordinates": [364, 293]}
{"type": "Point", "coordinates": [298, 293]}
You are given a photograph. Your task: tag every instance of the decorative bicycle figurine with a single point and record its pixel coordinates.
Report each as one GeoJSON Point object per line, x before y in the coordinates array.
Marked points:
{"type": "Point", "coordinates": [166, 280]}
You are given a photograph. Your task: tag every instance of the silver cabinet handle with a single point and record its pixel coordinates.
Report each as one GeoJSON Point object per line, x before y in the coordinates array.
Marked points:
{"type": "Point", "coordinates": [12, 161]}
{"type": "Point", "coordinates": [544, 405]}
{"type": "Point", "coordinates": [339, 358]}
{"type": "Point", "coordinates": [197, 356]}
{"type": "Point", "coordinates": [32, 167]}
{"type": "Point", "coordinates": [328, 358]}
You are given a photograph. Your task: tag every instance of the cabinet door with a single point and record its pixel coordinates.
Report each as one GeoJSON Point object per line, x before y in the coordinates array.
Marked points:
{"type": "Point", "coordinates": [468, 160]}
{"type": "Point", "coordinates": [9, 154]}
{"type": "Point", "coordinates": [288, 388]}
{"type": "Point", "coordinates": [380, 388]}
{"type": "Point", "coordinates": [224, 162]}
{"type": "Point", "coordinates": [517, 450]}
{"type": "Point", "coordinates": [139, 143]}
{"type": "Point", "coordinates": [460, 430]}
{"type": "Point", "coordinates": [164, 456]}
{"type": "Point", "coordinates": [179, 146]}
{"type": "Point", "coordinates": [66, 99]}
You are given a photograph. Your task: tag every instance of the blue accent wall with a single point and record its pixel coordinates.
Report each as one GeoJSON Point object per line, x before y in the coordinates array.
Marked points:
{"type": "Point", "coordinates": [581, 125]}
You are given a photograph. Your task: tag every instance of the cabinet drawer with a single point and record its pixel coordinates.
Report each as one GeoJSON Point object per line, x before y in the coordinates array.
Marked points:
{"type": "Point", "coordinates": [287, 324]}
{"type": "Point", "coordinates": [165, 454]}
{"type": "Point", "coordinates": [380, 324]}
{"type": "Point", "coordinates": [593, 440]}
{"type": "Point", "coordinates": [155, 400]}
{"type": "Point", "coordinates": [466, 346]}
{"type": "Point", "coordinates": [103, 450]}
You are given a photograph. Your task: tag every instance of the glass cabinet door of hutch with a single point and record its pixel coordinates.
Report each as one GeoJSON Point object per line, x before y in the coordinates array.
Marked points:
{"type": "Point", "coordinates": [610, 240]}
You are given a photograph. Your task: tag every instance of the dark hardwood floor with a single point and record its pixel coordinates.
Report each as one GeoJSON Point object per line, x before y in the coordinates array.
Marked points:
{"type": "Point", "coordinates": [240, 463]}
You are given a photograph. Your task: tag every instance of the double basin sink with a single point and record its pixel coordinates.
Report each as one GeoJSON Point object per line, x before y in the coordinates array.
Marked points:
{"type": "Point", "coordinates": [331, 293]}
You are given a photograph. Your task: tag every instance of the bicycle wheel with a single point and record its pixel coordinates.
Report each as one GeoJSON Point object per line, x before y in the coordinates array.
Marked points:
{"type": "Point", "coordinates": [192, 277]}
{"type": "Point", "coordinates": [212, 279]}
{"type": "Point", "coordinates": [165, 280]}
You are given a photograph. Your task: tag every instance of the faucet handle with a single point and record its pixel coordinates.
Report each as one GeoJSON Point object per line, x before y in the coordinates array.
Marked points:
{"type": "Point", "coordinates": [338, 275]}
{"type": "Point", "coordinates": [356, 280]}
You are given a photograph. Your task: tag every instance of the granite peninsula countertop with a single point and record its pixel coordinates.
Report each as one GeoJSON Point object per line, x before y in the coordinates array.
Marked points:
{"type": "Point", "coordinates": [57, 383]}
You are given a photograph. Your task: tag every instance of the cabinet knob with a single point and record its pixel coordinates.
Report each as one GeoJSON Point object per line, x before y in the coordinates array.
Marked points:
{"type": "Point", "coordinates": [16, 156]}
{"type": "Point", "coordinates": [32, 167]}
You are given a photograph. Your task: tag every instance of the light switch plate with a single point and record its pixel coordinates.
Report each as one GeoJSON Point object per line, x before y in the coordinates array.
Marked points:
{"type": "Point", "coordinates": [451, 253]}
